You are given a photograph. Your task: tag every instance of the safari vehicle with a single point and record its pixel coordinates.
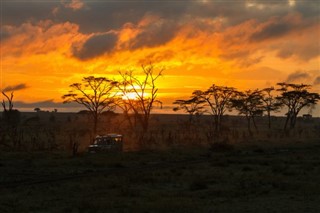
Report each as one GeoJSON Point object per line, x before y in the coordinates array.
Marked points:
{"type": "Point", "coordinates": [105, 143]}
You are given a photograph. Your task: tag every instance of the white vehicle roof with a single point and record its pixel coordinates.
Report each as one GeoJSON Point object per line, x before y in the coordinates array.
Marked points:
{"type": "Point", "coordinates": [112, 135]}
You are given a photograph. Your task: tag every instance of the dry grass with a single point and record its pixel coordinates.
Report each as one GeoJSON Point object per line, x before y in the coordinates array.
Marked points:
{"type": "Point", "coordinates": [182, 168]}
{"type": "Point", "coordinates": [245, 179]}
{"type": "Point", "coordinates": [38, 131]}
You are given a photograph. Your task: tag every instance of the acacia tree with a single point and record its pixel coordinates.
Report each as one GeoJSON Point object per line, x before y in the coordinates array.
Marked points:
{"type": "Point", "coordinates": [138, 95]}
{"type": "Point", "coordinates": [249, 103]}
{"type": "Point", "coordinates": [37, 109]}
{"type": "Point", "coordinates": [270, 103]}
{"type": "Point", "coordinates": [295, 97]}
{"type": "Point", "coordinates": [192, 106]}
{"type": "Point", "coordinates": [218, 98]}
{"type": "Point", "coordinates": [94, 93]}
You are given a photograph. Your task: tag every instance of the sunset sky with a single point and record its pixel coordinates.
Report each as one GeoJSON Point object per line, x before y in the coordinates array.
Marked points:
{"type": "Point", "coordinates": [47, 45]}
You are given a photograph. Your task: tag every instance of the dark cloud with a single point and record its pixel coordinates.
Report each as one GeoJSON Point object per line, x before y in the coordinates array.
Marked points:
{"type": "Point", "coordinates": [242, 58]}
{"type": "Point", "coordinates": [156, 57]}
{"type": "Point", "coordinates": [14, 88]}
{"type": "Point", "coordinates": [154, 34]}
{"type": "Point", "coordinates": [297, 76]}
{"type": "Point", "coordinates": [95, 46]}
{"type": "Point", "coordinates": [317, 81]}
{"type": "Point", "coordinates": [236, 54]}
{"type": "Point", "coordinates": [48, 105]}
{"type": "Point", "coordinates": [17, 12]}
{"type": "Point", "coordinates": [73, 4]}
{"type": "Point", "coordinates": [247, 62]}
{"type": "Point", "coordinates": [98, 17]}
{"type": "Point", "coordinates": [272, 30]}
{"type": "Point", "coordinates": [279, 26]}
{"type": "Point", "coordinates": [308, 9]}
{"type": "Point", "coordinates": [4, 34]}
{"type": "Point", "coordinates": [305, 50]}
{"type": "Point", "coordinates": [102, 16]}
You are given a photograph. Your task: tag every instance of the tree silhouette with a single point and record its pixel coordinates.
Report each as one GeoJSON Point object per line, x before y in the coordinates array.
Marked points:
{"type": "Point", "coordinates": [192, 106]}
{"type": "Point", "coordinates": [10, 116]}
{"type": "Point", "coordinates": [295, 97]}
{"type": "Point", "coordinates": [94, 93]}
{"type": "Point", "coordinates": [218, 98]}
{"type": "Point", "coordinates": [249, 103]}
{"type": "Point", "coordinates": [37, 109]}
{"type": "Point", "coordinates": [138, 95]}
{"type": "Point", "coordinates": [270, 103]}
{"type": "Point", "coordinates": [10, 102]}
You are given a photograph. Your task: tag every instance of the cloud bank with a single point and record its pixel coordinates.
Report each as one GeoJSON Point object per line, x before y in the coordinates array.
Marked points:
{"type": "Point", "coordinates": [51, 44]}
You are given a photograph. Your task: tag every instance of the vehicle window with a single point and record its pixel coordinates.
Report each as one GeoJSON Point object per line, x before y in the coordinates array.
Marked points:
{"type": "Point", "coordinates": [107, 140]}
{"type": "Point", "coordinates": [117, 139]}
{"type": "Point", "coordinates": [97, 141]}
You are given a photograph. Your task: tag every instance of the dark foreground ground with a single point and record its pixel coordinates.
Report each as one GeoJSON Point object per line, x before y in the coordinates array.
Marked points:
{"type": "Point", "coordinates": [248, 178]}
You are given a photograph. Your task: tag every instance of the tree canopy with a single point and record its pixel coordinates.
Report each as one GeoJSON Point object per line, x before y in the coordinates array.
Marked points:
{"type": "Point", "coordinates": [94, 93]}
{"type": "Point", "coordinates": [138, 95]}
{"type": "Point", "coordinates": [295, 97]}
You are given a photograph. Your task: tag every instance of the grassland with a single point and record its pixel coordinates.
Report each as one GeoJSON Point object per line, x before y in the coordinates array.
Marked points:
{"type": "Point", "coordinates": [248, 178]}
{"type": "Point", "coordinates": [181, 170]}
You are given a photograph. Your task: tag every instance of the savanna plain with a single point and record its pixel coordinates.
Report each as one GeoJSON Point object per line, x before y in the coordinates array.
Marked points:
{"type": "Point", "coordinates": [179, 167]}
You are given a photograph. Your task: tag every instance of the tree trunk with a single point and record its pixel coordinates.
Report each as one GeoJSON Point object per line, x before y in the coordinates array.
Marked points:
{"type": "Point", "coordinates": [216, 123]}
{"type": "Point", "coordinates": [269, 120]}
{"type": "Point", "coordinates": [190, 117]}
{"type": "Point", "coordinates": [145, 125]}
{"type": "Point", "coordinates": [129, 119]}
{"type": "Point", "coordinates": [95, 124]}
{"type": "Point", "coordinates": [249, 127]}
{"type": "Point", "coordinates": [219, 123]}
{"type": "Point", "coordinates": [254, 123]}
{"type": "Point", "coordinates": [286, 123]}
{"type": "Point", "coordinates": [293, 120]}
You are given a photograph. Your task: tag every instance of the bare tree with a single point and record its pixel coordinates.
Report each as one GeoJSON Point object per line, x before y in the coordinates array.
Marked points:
{"type": "Point", "coordinates": [10, 102]}
{"type": "Point", "coordinates": [94, 93]}
{"type": "Point", "coordinates": [192, 106]}
{"type": "Point", "coordinates": [138, 95]}
{"type": "Point", "coordinates": [125, 102]}
{"type": "Point", "coordinates": [270, 103]}
{"type": "Point", "coordinates": [249, 103]}
{"type": "Point", "coordinates": [11, 116]}
{"type": "Point", "coordinates": [218, 99]}
{"type": "Point", "coordinates": [296, 97]}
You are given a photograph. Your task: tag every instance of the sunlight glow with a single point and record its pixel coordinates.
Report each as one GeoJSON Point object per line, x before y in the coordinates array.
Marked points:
{"type": "Point", "coordinates": [130, 96]}
{"type": "Point", "coordinates": [291, 3]}
{"type": "Point", "coordinates": [195, 48]}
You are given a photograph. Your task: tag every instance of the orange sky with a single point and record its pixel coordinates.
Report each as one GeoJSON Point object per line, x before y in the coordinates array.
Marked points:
{"type": "Point", "coordinates": [46, 46]}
